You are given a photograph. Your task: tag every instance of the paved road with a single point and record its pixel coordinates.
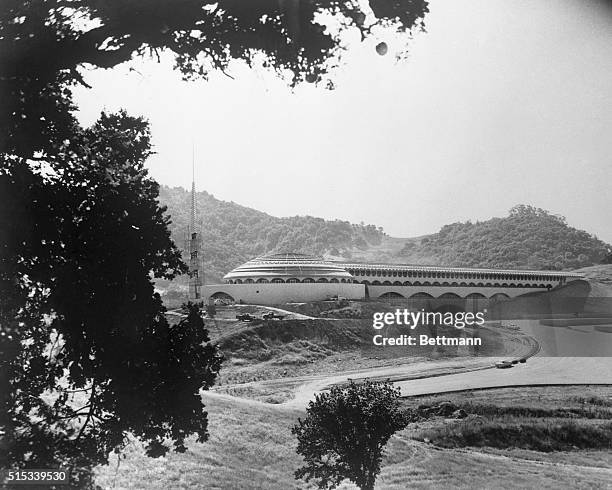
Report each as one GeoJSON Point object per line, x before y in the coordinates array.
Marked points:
{"type": "Point", "coordinates": [537, 371]}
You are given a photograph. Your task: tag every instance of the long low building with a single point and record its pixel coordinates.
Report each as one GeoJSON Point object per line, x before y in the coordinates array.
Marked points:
{"type": "Point", "coordinates": [291, 277]}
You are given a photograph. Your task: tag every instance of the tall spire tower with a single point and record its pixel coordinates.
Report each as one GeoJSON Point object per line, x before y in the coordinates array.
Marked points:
{"type": "Point", "coordinates": [194, 242]}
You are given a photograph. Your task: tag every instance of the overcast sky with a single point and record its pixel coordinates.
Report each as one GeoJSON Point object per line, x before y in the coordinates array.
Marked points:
{"type": "Point", "coordinates": [500, 102]}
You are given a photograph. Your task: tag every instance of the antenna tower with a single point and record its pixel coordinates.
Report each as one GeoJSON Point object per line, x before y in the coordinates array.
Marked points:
{"type": "Point", "coordinates": [194, 242]}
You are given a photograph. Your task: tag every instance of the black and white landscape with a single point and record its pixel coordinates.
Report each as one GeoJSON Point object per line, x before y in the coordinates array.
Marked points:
{"type": "Point", "coordinates": [414, 192]}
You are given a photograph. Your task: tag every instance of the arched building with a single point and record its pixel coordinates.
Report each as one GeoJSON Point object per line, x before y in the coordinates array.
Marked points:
{"type": "Point", "coordinates": [293, 277]}
{"type": "Point", "coordinates": [286, 277]}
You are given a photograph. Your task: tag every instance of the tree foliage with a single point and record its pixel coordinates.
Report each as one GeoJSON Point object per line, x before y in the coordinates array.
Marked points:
{"type": "Point", "coordinates": [528, 238]}
{"type": "Point", "coordinates": [86, 353]}
{"type": "Point", "coordinates": [345, 431]}
{"type": "Point", "coordinates": [45, 43]}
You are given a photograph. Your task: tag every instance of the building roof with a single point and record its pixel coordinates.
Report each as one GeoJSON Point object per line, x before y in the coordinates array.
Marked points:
{"type": "Point", "coordinates": [288, 265]}
{"type": "Point", "coordinates": [433, 268]}
{"type": "Point", "coordinates": [298, 265]}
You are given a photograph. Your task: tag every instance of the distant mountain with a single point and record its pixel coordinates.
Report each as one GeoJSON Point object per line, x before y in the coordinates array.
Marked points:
{"type": "Point", "coordinates": [528, 238]}
{"type": "Point", "coordinates": [233, 234]}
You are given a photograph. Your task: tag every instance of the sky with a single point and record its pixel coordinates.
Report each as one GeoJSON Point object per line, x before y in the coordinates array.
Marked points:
{"type": "Point", "coordinates": [499, 102]}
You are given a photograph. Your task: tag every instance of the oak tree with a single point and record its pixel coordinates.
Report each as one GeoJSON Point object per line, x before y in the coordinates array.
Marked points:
{"type": "Point", "coordinates": [345, 431]}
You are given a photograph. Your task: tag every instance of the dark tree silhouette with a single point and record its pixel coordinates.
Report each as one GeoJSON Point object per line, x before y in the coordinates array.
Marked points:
{"type": "Point", "coordinates": [45, 43]}
{"type": "Point", "coordinates": [345, 431]}
{"type": "Point", "coordinates": [86, 353]}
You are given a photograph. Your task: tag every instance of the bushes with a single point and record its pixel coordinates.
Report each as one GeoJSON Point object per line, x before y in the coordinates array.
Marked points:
{"type": "Point", "coordinates": [539, 434]}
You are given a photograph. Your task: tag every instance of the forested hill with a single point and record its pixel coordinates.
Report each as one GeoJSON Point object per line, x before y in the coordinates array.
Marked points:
{"type": "Point", "coordinates": [233, 234]}
{"type": "Point", "coordinates": [528, 238]}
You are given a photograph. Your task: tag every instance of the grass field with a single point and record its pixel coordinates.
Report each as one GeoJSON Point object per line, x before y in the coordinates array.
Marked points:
{"type": "Point", "coordinates": [251, 446]}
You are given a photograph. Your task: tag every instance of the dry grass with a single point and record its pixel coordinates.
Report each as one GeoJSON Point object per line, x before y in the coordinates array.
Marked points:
{"type": "Point", "coordinates": [250, 446]}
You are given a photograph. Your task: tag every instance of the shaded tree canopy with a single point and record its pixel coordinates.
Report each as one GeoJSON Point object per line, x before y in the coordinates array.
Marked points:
{"type": "Point", "coordinates": [87, 355]}
{"type": "Point", "coordinates": [86, 352]}
{"type": "Point", "coordinates": [45, 43]}
{"type": "Point", "coordinates": [345, 431]}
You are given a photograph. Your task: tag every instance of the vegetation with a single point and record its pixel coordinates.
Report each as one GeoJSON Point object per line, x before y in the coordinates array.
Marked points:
{"type": "Point", "coordinates": [44, 45]}
{"type": "Point", "coordinates": [579, 423]}
{"type": "Point", "coordinates": [528, 238]}
{"type": "Point", "coordinates": [537, 435]}
{"type": "Point", "coordinates": [251, 446]}
{"type": "Point", "coordinates": [234, 234]}
{"type": "Point", "coordinates": [86, 353]}
{"type": "Point", "coordinates": [345, 431]}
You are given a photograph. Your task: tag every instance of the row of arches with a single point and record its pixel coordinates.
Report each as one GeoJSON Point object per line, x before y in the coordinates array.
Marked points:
{"type": "Point", "coordinates": [291, 280]}
{"type": "Point", "coordinates": [456, 284]}
{"type": "Point", "coordinates": [452, 275]}
{"type": "Point", "coordinates": [423, 295]}
{"type": "Point", "coordinates": [278, 280]}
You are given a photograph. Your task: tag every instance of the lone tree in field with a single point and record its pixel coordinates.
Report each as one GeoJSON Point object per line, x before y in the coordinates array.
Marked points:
{"type": "Point", "coordinates": [345, 431]}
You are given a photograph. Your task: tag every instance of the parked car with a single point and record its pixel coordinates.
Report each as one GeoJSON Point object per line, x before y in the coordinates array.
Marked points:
{"type": "Point", "coordinates": [503, 364]}
{"type": "Point", "coordinates": [245, 317]}
{"type": "Point", "coordinates": [272, 316]}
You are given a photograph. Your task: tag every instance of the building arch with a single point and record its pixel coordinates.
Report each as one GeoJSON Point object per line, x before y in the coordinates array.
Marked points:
{"type": "Point", "coordinates": [262, 280]}
{"type": "Point", "coordinates": [421, 295]}
{"type": "Point", "coordinates": [391, 295]}
{"type": "Point", "coordinates": [222, 296]}
{"type": "Point", "coordinates": [449, 296]}
{"type": "Point", "coordinates": [475, 296]}
{"type": "Point", "coordinates": [500, 296]}
{"type": "Point", "coordinates": [277, 280]}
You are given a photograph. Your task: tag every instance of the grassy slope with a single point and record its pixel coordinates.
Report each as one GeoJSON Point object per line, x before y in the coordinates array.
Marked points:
{"type": "Point", "coordinates": [278, 351]}
{"type": "Point", "coordinates": [251, 446]}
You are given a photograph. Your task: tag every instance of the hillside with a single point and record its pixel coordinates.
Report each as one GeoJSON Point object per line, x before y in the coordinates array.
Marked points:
{"type": "Point", "coordinates": [529, 238]}
{"type": "Point", "coordinates": [233, 234]}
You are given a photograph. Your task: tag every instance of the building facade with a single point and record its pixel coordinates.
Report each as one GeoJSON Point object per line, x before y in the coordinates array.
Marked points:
{"type": "Point", "coordinates": [291, 277]}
